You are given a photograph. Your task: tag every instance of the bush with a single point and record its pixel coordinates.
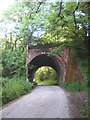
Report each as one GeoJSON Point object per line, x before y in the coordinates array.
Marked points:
{"type": "Point", "coordinates": [14, 88]}
{"type": "Point", "coordinates": [13, 62]}
{"type": "Point", "coordinates": [72, 86]}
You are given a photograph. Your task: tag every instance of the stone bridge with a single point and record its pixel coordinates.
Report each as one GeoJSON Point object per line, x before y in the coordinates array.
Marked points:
{"type": "Point", "coordinates": [61, 63]}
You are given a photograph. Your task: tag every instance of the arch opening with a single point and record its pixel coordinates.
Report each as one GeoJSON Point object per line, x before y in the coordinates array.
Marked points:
{"type": "Point", "coordinates": [45, 60]}
{"type": "Point", "coordinates": [45, 76]}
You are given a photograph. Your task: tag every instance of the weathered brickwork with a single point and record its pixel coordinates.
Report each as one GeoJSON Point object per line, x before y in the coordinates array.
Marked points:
{"type": "Point", "coordinates": [63, 56]}
{"type": "Point", "coordinates": [69, 65]}
{"type": "Point", "coordinates": [35, 52]}
{"type": "Point", "coordinates": [73, 73]}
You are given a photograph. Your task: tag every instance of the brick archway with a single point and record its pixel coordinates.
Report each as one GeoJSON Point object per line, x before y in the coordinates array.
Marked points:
{"type": "Point", "coordinates": [63, 63]}
{"type": "Point", "coordinates": [45, 60]}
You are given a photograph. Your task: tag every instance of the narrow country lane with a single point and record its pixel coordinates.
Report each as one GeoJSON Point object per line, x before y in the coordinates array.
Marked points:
{"type": "Point", "coordinates": [42, 102]}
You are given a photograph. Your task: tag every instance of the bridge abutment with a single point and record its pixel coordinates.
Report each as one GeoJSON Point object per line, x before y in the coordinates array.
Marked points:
{"type": "Point", "coordinates": [62, 63]}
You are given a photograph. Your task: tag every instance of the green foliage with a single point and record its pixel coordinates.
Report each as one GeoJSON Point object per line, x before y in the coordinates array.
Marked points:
{"type": "Point", "coordinates": [32, 67]}
{"type": "Point", "coordinates": [45, 76]}
{"type": "Point", "coordinates": [83, 66]}
{"type": "Point", "coordinates": [27, 20]}
{"type": "Point", "coordinates": [13, 62]}
{"type": "Point", "coordinates": [14, 88]}
{"type": "Point", "coordinates": [62, 45]}
{"type": "Point", "coordinates": [31, 19]}
{"type": "Point", "coordinates": [72, 86]}
{"type": "Point", "coordinates": [64, 26]}
{"type": "Point", "coordinates": [48, 82]}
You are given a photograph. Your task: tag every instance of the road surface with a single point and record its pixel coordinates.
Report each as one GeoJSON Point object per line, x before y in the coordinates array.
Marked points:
{"type": "Point", "coordinates": [42, 102]}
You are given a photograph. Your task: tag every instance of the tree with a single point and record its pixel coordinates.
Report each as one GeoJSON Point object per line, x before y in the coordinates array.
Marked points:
{"type": "Point", "coordinates": [52, 22]}
{"type": "Point", "coordinates": [70, 23]}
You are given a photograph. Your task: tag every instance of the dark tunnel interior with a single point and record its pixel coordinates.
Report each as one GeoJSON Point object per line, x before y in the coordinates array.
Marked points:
{"type": "Point", "coordinates": [45, 60]}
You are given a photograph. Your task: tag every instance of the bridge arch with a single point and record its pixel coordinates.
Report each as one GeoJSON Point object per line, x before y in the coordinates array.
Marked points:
{"type": "Point", "coordinates": [45, 60]}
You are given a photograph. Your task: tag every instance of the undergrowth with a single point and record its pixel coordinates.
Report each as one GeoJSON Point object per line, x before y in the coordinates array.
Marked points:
{"type": "Point", "coordinates": [14, 88]}
{"type": "Point", "coordinates": [72, 86]}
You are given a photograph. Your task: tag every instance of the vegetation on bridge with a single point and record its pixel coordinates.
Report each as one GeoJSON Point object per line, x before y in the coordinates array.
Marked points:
{"type": "Point", "coordinates": [38, 24]}
{"type": "Point", "coordinates": [13, 88]}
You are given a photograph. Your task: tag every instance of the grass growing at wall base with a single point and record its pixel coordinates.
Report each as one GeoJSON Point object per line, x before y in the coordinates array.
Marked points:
{"type": "Point", "coordinates": [72, 86]}
{"type": "Point", "coordinates": [47, 82]}
{"type": "Point", "coordinates": [14, 88]}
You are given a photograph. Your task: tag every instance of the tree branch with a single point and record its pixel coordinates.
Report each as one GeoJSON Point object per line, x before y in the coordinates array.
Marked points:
{"type": "Point", "coordinates": [60, 8]}
{"type": "Point", "coordinates": [38, 7]}
{"type": "Point", "coordinates": [36, 10]}
{"type": "Point", "coordinates": [74, 16]}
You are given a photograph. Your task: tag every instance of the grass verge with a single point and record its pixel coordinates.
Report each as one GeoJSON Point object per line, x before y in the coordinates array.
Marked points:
{"type": "Point", "coordinates": [14, 88]}
{"type": "Point", "coordinates": [72, 86]}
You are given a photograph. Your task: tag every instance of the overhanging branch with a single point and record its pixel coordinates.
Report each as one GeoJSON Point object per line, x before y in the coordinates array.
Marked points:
{"type": "Point", "coordinates": [60, 8]}
{"type": "Point", "coordinates": [75, 24]}
{"type": "Point", "coordinates": [38, 7]}
{"type": "Point", "coordinates": [36, 10]}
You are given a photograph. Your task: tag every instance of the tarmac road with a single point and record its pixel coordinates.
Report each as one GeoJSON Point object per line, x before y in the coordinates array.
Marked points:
{"type": "Point", "coordinates": [42, 102]}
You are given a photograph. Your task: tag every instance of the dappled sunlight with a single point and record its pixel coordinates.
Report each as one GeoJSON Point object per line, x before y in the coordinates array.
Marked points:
{"type": "Point", "coordinates": [45, 76]}
{"type": "Point", "coordinates": [62, 39]}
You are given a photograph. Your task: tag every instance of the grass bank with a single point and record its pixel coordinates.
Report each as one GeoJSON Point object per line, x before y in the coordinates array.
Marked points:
{"type": "Point", "coordinates": [13, 88]}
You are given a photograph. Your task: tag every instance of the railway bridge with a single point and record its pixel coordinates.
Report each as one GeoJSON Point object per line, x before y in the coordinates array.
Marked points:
{"type": "Point", "coordinates": [63, 63]}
